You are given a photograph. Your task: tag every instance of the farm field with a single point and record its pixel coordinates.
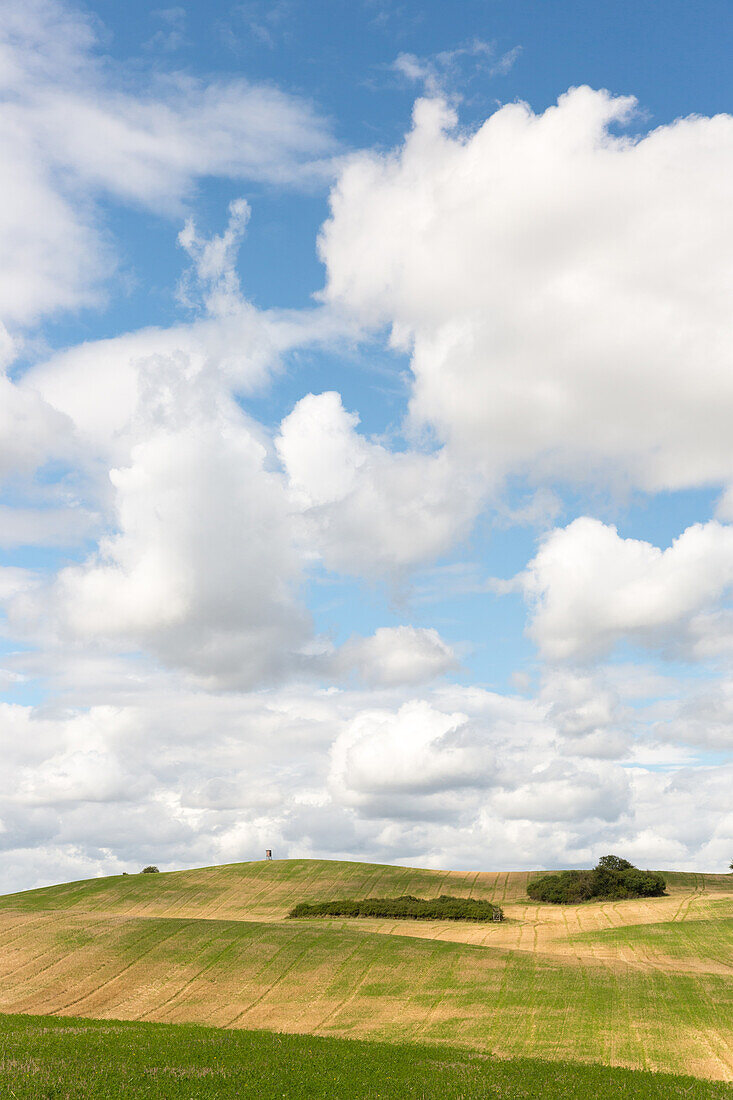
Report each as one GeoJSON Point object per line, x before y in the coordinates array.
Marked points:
{"type": "Point", "coordinates": [645, 984]}
{"type": "Point", "coordinates": [76, 1059]}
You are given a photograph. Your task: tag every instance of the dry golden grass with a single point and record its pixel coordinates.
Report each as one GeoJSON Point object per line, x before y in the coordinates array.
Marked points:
{"type": "Point", "coordinates": [640, 983]}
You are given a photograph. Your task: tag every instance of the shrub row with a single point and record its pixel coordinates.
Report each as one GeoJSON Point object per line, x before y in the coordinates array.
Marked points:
{"type": "Point", "coordinates": [404, 908]}
{"type": "Point", "coordinates": [612, 879]}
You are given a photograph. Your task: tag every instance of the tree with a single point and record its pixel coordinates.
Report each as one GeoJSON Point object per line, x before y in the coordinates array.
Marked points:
{"type": "Point", "coordinates": [614, 863]}
{"type": "Point", "coordinates": [151, 869]}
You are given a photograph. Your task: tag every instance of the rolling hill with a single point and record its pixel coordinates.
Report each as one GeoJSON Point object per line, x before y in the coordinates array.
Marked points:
{"type": "Point", "coordinates": [645, 984]}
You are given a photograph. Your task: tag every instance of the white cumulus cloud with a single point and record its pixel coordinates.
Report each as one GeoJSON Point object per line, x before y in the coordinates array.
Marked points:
{"type": "Point", "coordinates": [396, 655]}
{"type": "Point", "coordinates": [589, 589]}
{"type": "Point", "coordinates": [563, 287]}
{"type": "Point", "coordinates": [370, 509]}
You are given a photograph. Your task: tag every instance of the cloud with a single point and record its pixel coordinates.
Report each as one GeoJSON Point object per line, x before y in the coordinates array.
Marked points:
{"type": "Point", "coordinates": [199, 562]}
{"type": "Point", "coordinates": [589, 589]}
{"type": "Point", "coordinates": [587, 713]}
{"type": "Point", "coordinates": [72, 131]}
{"type": "Point", "coordinates": [384, 757]}
{"type": "Point", "coordinates": [267, 23]}
{"type": "Point", "coordinates": [203, 569]}
{"type": "Point", "coordinates": [562, 287]}
{"type": "Point", "coordinates": [703, 718]}
{"type": "Point", "coordinates": [562, 792]}
{"type": "Point", "coordinates": [172, 35]}
{"type": "Point", "coordinates": [87, 399]}
{"type": "Point", "coordinates": [14, 579]}
{"type": "Point", "coordinates": [99, 385]}
{"type": "Point", "coordinates": [45, 526]}
{"type": "Point", "coordinates": [203, 542]}
{"type": "Point", "coordinates": [214, 260]}
{"type": "Point", "coordinates": [150, 770]}
{"type": "Point", "coordinates": [31, 431]}
{"type": "Point", "coordinates": [371, 510]}
{"type": "Point", "coordinates": [505, 63]}
{"type": "Point", "coordinates": [439, 71]}
{"type": "Point", "coordinates": [397, 655]}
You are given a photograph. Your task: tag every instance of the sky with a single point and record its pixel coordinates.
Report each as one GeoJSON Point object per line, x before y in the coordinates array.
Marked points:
{"type": "Point", "coordinates": [366, 474]}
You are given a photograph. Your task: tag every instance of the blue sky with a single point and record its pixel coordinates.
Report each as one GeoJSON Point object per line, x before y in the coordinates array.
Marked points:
{"type": "Point", "coordinates": [366, 391]}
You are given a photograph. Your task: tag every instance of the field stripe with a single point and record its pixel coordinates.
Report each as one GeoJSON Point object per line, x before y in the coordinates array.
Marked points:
{"type": "Point", "coordinates": [125, 969]}
{"type": "Point", "coordinates": [278, 981]}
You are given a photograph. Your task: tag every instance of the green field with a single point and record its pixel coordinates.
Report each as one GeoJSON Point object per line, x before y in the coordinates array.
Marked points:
{"type": "Point", "coordinates": [639, 983]}
{"type": "Point", "coordinates": [43, 1058]}
{"type": "Point", "coordinates": [710, 939]}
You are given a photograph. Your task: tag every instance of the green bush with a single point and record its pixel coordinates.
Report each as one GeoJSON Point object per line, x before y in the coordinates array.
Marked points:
{"type": "Point", "coordinates": [151, 869]}
{"type": "Point", "coordinates": [403, 908]}
{"type": "Point", "coordinates": [611, 879]}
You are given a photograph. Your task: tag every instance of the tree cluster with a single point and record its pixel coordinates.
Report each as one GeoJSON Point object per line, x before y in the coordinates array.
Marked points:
{"type": "Point", "coordinates": [610, 879]}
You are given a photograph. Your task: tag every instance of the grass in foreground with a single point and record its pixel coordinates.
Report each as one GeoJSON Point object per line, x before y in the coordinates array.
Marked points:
{"type": "Point", "coordinates": [45, 1058]}
{"type": "Point", "coordinates": [405, 908]}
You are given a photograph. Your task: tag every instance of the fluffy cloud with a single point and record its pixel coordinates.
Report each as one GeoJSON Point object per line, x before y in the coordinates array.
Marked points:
{"type": "Point", "coordinates": [589, 589]}
{"type": "Point", "coordinates": [397, 655]}
{"type": "Point", "coordinates": [206, 541]}
{"type": "Point", "coordinates": [384, 757]}
{"type": "Point", "coordinates": [203, 566]}
{"type": "Point", "coordinates": [370, 509]}
{"type": "Point", "coordinates": [72, 129]}
{"type": "Point", "coordinates": [199, 563]}
{"type": "Point", "coordinates": [99, 387]}
{"type": "Point", "coordinates": [455, 777]}
{"type": "Point", "coordinates": [563, 288]}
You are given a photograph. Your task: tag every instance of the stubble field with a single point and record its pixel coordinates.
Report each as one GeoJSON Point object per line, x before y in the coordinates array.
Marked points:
{"type": "Point", "coordinates": [643, 984]}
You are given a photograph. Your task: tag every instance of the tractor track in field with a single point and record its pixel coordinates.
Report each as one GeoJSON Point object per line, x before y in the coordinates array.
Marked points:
{"type": "Point", "coordinates": [116, 977]}
{"type": "Point", "coordinates": [266, 993]}
{"type": "Point", "coordinates": [357, 986]}
{"type": "Point", "coordinates": [155, 1013]}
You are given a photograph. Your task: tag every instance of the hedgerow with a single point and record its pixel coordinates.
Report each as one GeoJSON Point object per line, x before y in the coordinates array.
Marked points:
{"type": "Point", "coordinates": [613, 878]}
{"type": "Point", "coordinates": [404, 908]}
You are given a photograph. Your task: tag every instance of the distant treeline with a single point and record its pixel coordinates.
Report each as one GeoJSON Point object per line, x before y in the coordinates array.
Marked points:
{"type": "Point", "coordinates": [611, 879]}
{"type": "Point", "coordinates": [404, 908]}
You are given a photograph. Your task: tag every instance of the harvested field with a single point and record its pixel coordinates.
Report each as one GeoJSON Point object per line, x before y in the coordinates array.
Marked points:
{"type": "Point", "coordinates": [645, 984]}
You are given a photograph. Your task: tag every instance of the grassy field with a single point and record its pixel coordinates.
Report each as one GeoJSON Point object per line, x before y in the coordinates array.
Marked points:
{"type": "Point", "coordinates": [645, 984]}
{"type": "Point", "coordinates": [42, 1058]}
{"type": "Point", "coordinates": [263, 890]}
{"type": "Point", "coordinates": [708, 940]}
